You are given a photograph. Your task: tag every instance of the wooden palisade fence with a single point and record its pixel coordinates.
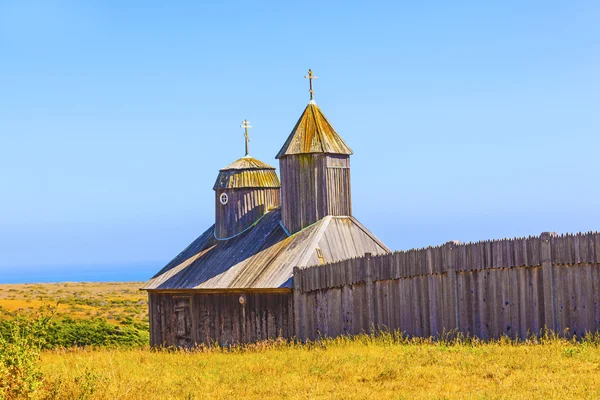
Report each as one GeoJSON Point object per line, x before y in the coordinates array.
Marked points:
{"type": "Point", "coordinates": [485, 289]}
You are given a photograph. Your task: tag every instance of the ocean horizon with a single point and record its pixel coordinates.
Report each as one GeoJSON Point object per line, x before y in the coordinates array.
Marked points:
{"type": "Point", "coordinates": [128, 272]}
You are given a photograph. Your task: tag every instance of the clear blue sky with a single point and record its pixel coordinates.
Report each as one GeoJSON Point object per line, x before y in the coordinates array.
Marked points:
{"type": "Point", "coordinates": [469, 120]}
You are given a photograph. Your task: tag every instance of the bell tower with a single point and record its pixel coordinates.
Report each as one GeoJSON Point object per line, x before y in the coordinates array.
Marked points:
{"type": "Point", "coordinates": [314, 164]}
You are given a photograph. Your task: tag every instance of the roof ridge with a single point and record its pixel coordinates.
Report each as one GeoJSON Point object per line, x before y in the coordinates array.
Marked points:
{"type": "Point", "coordinates": [311, 244]}
{"type": "Point", "coordinates": [314, 109]}
{"type": "Point", "coordinates": [369, 233]}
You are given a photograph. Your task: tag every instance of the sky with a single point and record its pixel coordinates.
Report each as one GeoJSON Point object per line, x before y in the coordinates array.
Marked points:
{"type": "Point", "coordinates": [469, 120]}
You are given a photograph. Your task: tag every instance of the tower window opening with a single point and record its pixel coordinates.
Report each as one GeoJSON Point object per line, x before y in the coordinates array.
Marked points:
{"type": "Point", "coordinates": [223, 198]}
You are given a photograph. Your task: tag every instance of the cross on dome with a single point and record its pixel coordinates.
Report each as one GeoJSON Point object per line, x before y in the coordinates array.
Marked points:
{"type": "Point", "coordinates": [310, 78]}
{"type": "Point", "coordinates": [246, 125]}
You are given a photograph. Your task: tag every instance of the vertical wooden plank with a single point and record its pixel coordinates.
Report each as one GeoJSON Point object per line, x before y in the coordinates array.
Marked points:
{"type": "Point", "coordinates": [482, 322]}
{"type": "Point", "coordinates": [452, 303]}
{"type": "Point", "coordinates": [549, 283]}
{"type": "Point", "coordinates": [395, 304]}
{"type": "Point", "coordinates": [298, 306]}
{"type": "Point", "coordinates": [347, 310]}
{"type": "Point", "coordinates": [425, 308]}
{"type": "Point", "coordinates": [390, 309]}
{"type": "Point", "coordinates": [290, 320]}
{"type": "Point", "coordinates": [495, 303]}
{"type": "Point", "coordinates": [440, 302]}
{"type": "Point", "coordinates": [537, 293]}
{"type": "Point", "coordinates": [337, 327]}
{"type": "Point", "coordinates": [595, 272]}
{"type": "Point", "coordinates": [561, 297]}
{"type": "Point", "coordinates": [152, 320]}
{"type": "Point", "coordinates": [525, 305]}
{"type": "Point", "coordinates": [596, 239]}
{"type": "Point", "coordinates": [569, 297]}
{"type": "Point", "coordinates": [270, 316]}
{"type": "Point", "coordinates": [504, 292]}
{"type": "Point", "coordinates": [463, 301]}
{"type": "Point", "coordinates": [433, 305]}
{"type": "Point", "coordinates": [515, 317]}
{"type": "Point", "coordinates": [369, 293]}
{"type": "Point", "coordinates": [404, 306]}
{"type": "Point", "coordinates": [380, 301]}
{"type": "Point", "coordinates": [361, 323]}
{"type": "Point", "coordinates": [583, 294]}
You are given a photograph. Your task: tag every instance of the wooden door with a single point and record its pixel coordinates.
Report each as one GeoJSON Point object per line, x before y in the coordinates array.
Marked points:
{"type": "Point", "coordinates": [183, 321]}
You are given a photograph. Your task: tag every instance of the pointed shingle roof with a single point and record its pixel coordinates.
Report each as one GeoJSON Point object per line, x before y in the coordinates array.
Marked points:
{"type": "Point", "coordinates": [313, 134]}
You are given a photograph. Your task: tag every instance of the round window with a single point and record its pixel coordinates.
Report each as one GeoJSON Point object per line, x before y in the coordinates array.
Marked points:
{"type": "Point", "coordinates": [223, 198]}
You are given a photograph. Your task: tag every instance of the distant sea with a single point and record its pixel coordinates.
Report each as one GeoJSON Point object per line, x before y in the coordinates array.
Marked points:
{"type": "Point", "coordinates": [79, 273]}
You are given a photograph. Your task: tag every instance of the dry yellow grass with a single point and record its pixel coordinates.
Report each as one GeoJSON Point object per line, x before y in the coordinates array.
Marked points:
{"type": "Point", "coordinates": [342, 368]}
{"type": "Point", "coordinates": [338, 368]}
{"type": "Point", "coordinates": [78, 300]}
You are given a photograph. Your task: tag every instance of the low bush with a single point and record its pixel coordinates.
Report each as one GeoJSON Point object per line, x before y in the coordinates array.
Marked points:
{"type": "Point", "coordinates": [69, 332]}
{"type": "Point", "coordinates": [21, 341]}
{"type": "Point", "coordinates": [96, 332]}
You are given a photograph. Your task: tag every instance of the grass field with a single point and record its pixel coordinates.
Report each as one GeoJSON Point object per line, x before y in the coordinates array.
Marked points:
{"type": "Point", "coordinates": [114, 301]}
{"type": "Point", "coordinates": [343, 368]}
{"type": "Point", "coordinates": [364, 367]}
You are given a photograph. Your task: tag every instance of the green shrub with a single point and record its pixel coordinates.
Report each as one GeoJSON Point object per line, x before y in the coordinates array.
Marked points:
{"type": "Point", "coordinates": [20, 343]}
{"type": "Point", "coordinates": [96, 332]}
{"type": "Point", "coordinates": [69, 332]}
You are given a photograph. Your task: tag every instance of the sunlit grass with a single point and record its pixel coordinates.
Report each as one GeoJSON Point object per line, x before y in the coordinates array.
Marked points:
{"type": "Point", "coordinates": [364, 367]}
{"type": "Point", "coordinates": [385, 366]}
{"type": "Point", "coordinates": [78, 300]}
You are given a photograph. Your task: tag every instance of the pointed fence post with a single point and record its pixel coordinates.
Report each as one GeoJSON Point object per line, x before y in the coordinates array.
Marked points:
{"type": "Point", "coordinates": [550, 319]}
{"type": "Point", "coordinates": [452, 301]}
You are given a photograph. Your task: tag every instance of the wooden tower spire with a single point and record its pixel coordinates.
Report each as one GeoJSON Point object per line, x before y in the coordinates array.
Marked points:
{"type": "Point", "coordinates": [315, 170]}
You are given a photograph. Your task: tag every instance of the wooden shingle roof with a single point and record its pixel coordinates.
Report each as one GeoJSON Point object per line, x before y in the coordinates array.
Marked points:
{"type": "Point", "coordinates": [247, 172]}
{"type": "Point", "coordinates": [264, 256]}
{"type": "Point", "coordinates": [313, 134]}
{"type": "Point", "coordinates": [247, 162]}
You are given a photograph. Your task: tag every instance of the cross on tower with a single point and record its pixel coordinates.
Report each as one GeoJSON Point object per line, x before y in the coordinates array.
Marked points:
{"type": "Point", "coordinates": [246, 126]}
{"type": "Point", "coordinates": [310, 78]}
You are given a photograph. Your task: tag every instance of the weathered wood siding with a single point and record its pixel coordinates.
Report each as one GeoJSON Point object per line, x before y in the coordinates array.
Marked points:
{"type": "Point", "coordinates": [486, 289]}
{"type": "Point", "coordinates": [244, 207]}
{"type": "Point", "coordinates": [185, 319]}
{"type": "Point", "coordinates": [314, 186]}
{"type": "Point", "coordinates": [339, 198]}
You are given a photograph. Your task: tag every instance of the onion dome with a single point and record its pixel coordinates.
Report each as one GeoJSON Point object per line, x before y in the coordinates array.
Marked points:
{"type": "Point", "coordinates": [244, 191]}
{"type": "Point", "coordinates": [247, 172]}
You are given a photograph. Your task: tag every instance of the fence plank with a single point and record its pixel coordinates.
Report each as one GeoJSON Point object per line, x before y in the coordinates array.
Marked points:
{"type": "Point", "coordinates": [487, 288]}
